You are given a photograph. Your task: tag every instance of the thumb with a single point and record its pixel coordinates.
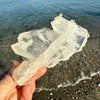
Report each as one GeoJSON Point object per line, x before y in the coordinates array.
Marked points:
{"type": "Point", "coordinates": [7, 83]}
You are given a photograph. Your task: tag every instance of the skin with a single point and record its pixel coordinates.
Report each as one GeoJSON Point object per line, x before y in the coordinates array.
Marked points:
{"type": "Point", "coordinates": [9, 90]}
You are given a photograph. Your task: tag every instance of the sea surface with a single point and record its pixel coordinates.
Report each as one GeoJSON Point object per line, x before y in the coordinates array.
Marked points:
{"type": "Point", "coordinates": [14, 13]}
{"type": "Point", "coordinates": [17, 16]}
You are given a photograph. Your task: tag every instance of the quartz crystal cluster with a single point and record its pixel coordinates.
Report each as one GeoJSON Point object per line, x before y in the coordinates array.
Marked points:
{"type": "Point", "coordinates": [46, 47]}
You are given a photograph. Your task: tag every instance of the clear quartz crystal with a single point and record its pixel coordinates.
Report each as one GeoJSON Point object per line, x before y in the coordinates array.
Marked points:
{"type": "Point", "coordinates": [46, 47]}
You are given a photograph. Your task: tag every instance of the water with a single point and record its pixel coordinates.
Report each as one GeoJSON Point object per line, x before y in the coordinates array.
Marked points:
{"type": "Point", "coordinates": [15, 12]}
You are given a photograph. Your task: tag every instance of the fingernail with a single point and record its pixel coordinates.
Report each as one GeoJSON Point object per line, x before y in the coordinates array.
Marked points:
{"type": "Point", "coordinates": [27, 82]}
{"type": "Point", "coordinates": [43, 69]}
{"type": "Point", "coordinates": [13, 63]}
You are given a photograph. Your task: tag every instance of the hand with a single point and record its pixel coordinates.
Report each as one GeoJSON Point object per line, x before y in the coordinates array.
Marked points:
{"type": "Point", "coordinates": [9, 90]}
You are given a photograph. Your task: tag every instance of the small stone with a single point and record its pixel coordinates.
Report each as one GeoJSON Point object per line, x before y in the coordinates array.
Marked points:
{"type": "Point", "coordinates": [79, 91]}
{"type": "Point", "coordinates": [98, 84]}
{"type": "Point", "coordinates": [51, 93]}
{"type": "Point", "coordinates": [84, 82]}
{"type": "Point", "coordinates": [82, 92]}
{"type": "Point", "coordinates": [50, 72]}
{"type": "Point", "coordinates": [73, 97]}
{"type": "Point", "coordinates": [65, 91]}
{"type": "Point", "coordinates": [51, 99]}
{"type": "Point", "coordinates": [85, 92]}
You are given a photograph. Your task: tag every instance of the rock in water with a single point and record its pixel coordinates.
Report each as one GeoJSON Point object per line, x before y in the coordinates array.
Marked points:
{"type": "Point", "coordinates": [45, 47]}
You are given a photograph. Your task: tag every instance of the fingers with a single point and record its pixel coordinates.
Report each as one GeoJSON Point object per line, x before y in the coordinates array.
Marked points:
{"type": "Point", "coordinates": [7, 83]}
{"type": "Point", "coordinates": [4, 73]}
{"type": "Point", "coordinates": [14, 65]}
{"type": "Point", "coordinates": [40, 73]}
{"type": "Point", "coordinates": [27, 92]}
{"type": "Point", "coordinates": [13, 96]}
{"type": "Point", "coordinates": [29, 89]}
